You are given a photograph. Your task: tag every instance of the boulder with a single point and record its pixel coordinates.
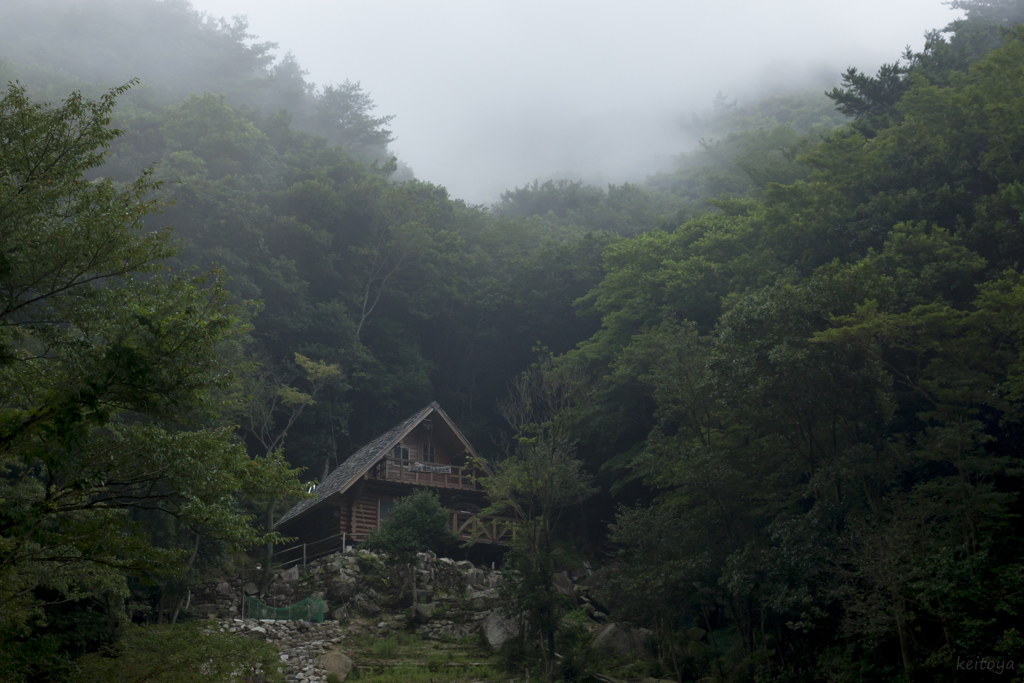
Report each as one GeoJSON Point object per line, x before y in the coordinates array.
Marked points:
{"type": "Point", "coordinates": [367, 609]}
{"type": "Point", "coordinates": [340, 614]}
{"type": "Point", "coordinates": [621, 639]}
{"type": "Point", "coordinates": [402, 600]}
{"type": "Point", "coordinates": [341, 591]}
{"type": "Point", "coordinates": [251, 589]}
{"type": "Point", "coordinates": [595, 579]}
{"type": "Point", "coordinates": [476, 577]}
{"type": "Point", "coordinates": [478, 601]}
{"type": "Point", "coordinates": [335, 662]}
{"type": "Point", "coordinates": [257, 633]}
{"type": "Point", "coordinates": [224, 587]}
{"type": "Point", "coordinates": [290, 574]}
{"type": "Point", "coordinates": [496, 629]}
{"type": "Point", "coordinates": [563, 584]}
{"type": "Point", "coordinates": [425, 611]}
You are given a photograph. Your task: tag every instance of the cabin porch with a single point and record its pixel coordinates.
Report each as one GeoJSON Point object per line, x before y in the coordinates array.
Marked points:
{"type": "Point", "coordinates": [425, 474]}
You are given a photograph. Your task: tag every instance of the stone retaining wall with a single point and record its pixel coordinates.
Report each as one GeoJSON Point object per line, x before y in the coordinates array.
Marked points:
{"type": "Point", "coordinates": [300, 644]}
{"type": "Point", "coordinates": [454, 597]}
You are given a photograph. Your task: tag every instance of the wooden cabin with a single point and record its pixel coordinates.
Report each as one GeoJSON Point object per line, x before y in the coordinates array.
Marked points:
{"type": "Point", "coordinates": [427, 450]}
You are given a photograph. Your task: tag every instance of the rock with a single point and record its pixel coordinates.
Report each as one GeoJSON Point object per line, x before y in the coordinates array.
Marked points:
{"type": "Point", "coordinates": [335, 662]}
{"type": "Point", "coordinates": [368, 609]}
{"type": "Point", "coordinates": [341, 590]}
{"type": "Point", "coordinates": [496, 628]}
{"type": "Point", "coordinates": [251, 589]}
{"type": "Point", "coordinates": [224, 587]}
{"type": "Point", "coordinates": [595, 579]}
{"type": "Point", "coordinates": [478, 601]}
{"type": "Point", "coordinates": [340, 614]}
{"type": "Point", "coordinates": [425, 611]}
{"type": "Point", "coordinates": [291, 574]}
{"type": "Point", "coordinates": [402, 601]}
{"type": "Point", "coordinates": [476, 577]}
{"type": "Point", "coordinates": [563, 584]}
{"type": "Point", "coordinates": [695, 633]}
{"type": "Point", "coordinates": [597, 603]}
{"type": "Point", "coordinates": [621, 639]}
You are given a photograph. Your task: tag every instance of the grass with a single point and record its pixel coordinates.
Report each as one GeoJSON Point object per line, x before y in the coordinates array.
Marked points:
{"type": "Point", "coordinates": [423, 674]}
{"type": "Point", "coordinates": [405, 656]}
{"type": "Point", "coordinates": [386, 648]}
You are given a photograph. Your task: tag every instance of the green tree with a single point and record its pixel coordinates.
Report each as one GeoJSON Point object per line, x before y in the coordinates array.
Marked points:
{"type": "Point", "coordinates": [173, 654]}
{"type": "Point", "coordinates": [109, 374]}
{"type": "Point", "coordinates": [272, 405]}
{"type": "Point", "coordinates": [416, 524]}
{"type": "Point", "coordinates": [343, 116]}
{"type": "Point", "coordinates": [538, 478]}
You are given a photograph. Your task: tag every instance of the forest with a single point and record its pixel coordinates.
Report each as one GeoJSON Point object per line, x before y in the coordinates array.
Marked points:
{"type": "Point", "coordinates": [776, 395]}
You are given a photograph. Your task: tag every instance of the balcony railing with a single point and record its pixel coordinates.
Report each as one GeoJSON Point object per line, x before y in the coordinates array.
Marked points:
{"type": "Point", "coordinates": [470, 526]}
{"type": "Point", "coordinates": [425, 474]}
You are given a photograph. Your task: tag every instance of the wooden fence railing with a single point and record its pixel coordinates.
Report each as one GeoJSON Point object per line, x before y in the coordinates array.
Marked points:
{"type": "Point", "coordinates": [470, 526]}
{"type": "Point", "coordinates": [406, 472]}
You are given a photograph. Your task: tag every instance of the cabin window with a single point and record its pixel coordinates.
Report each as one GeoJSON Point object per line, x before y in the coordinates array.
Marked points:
{"type": "Point", "coordinates": [428, 452]}
{"type": "Point", "coordinates": [401, 452]}
{"type": "Point", "coordinates": [384, 506]}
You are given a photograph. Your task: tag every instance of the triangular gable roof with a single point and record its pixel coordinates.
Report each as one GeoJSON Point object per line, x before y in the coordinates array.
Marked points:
{"type": "Point", "coordinates": [360, 462]}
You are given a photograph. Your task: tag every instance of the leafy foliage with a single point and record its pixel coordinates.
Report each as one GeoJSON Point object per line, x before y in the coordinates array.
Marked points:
{"type": "Point", "coordinates": [110, 372]}
{"type": "Point", "coordinates": [172, 654]}
{"type": "Point", "coordinates": [416, 524]}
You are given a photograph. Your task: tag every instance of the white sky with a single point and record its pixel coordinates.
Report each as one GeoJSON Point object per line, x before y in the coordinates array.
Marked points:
{"type": "Point", "coordinates": [490, 95]}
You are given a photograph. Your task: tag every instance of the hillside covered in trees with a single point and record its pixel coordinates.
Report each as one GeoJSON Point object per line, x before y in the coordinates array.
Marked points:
{"type": "Point", "coordinates": [783, 382]}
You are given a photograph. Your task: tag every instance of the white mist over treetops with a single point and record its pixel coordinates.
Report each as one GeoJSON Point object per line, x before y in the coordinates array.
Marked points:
{"type": "Point", "coordinates": [491, 95]}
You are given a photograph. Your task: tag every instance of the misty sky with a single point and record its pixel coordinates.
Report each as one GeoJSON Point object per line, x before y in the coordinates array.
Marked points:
{"type": "Point", "coordinates": [490, 95]}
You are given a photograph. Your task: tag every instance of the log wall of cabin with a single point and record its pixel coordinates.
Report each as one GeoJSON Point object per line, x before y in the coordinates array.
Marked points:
{"type": "Point", "coordinates": [364, 511]}
{"type": "Point", "coordinates": [364, 503]}
{"type": "Point", "coordinates": [344, 517]}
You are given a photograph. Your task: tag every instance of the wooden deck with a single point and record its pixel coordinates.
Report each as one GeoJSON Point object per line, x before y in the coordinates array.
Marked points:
{"type": "Point", "coordinates": [470, 526]}
{"type": "Point", "coordinates": [403, 472]}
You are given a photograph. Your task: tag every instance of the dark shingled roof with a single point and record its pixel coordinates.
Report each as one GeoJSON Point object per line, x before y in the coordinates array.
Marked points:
{"type": "Point", "coordinates": [340, 479]}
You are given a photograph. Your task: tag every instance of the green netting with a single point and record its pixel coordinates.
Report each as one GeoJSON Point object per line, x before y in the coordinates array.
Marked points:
{"type": "Point", "coordinates": [306, 609]}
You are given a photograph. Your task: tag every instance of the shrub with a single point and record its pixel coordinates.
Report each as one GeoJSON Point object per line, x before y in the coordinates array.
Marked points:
{"type": "Point", "coordinates": [386, 648]}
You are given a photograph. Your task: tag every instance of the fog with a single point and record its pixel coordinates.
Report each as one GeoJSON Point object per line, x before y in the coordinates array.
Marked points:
{"type": "Point", "coordinates": [489, 95]}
